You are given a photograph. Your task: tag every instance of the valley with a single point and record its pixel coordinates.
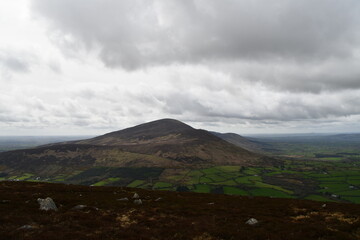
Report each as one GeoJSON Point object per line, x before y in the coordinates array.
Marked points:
{"type": "Point", "coordinates": [305, 180]}
{"type": "Point", "coordinates": [169, 155]}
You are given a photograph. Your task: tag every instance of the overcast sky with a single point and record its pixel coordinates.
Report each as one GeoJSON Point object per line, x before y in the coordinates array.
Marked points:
{"type": "Point", "coordinates": [70, 67]}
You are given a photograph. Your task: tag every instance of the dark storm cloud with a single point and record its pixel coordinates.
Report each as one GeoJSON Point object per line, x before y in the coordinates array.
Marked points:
{"type": "Point", "coordinates": [134, 33]}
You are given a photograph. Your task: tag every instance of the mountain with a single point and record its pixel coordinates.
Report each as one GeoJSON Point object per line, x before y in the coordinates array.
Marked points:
{"type": "Point", "coordinates": [164, 143]}
{"type": "Point", "coordinates": [172, 139]}
{"type": "Point", "coordinates": [240, 141]}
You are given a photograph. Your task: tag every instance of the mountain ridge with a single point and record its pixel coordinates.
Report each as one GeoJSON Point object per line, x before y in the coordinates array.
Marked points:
{"type": "Point", "coordinates": [161, 143]}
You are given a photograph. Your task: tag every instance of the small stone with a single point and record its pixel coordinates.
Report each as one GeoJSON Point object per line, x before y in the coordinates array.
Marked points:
{"type": "Point", "coordinates": [79, 207]}
{"type": "Point", "coordinates": [136, 196]}
{"type": "Point", "coordinates": [47, 204]}
{"type": "Point", "coordinates": [158, 199]}
{"type": "Point", "coordinates": [324, 205]}
{"type": "Point", "coordinates": [252, 222]}
{"type": "Point", "coordinates": [211, 203]}
{"type": "Point", "coordinates": [123, 199]}
{"type": "Point", "coordinates": [4, 201]}
{"type": "Point", "coordinates": [26, 227]}
{"type": "Point", "coordinates": [138, 201]}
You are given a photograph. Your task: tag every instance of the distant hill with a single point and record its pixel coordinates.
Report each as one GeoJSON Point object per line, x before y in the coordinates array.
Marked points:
{"type": "Point", "coordinates": [162, 143]}
{"type": "Point", "coordinates": [240, 141]}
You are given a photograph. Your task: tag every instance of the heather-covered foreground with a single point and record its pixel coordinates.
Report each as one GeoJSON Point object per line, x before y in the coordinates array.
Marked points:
{"type": "Point", "coordinates": [166, 215]}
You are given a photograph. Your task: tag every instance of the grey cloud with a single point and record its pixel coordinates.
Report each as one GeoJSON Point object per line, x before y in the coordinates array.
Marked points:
{"type": "Point", "coordinates": [55, 66]}
{"type": "Point", "coordinates": [133, 34]}
{"type": "Point", "coordinates": [15, 61]}
{"type": "Point", "coordinates": [281, 75]}
{"type": "Point", "coordinates": [298, 46]}
{"type": "Point", "coordinates": [111, 107]}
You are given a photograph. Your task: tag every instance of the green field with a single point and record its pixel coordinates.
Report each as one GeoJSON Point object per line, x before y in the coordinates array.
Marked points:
{"type": "Point", "coordinates": [314, 168]}
{"type": "Point", "coordinates": [106, 182]}
{"type": "Point", "coordinates": [314, 180]}
{"type": "Point", "coordinates": [235, 191]}
{"type": "Point", "coordinates": [202, 188]}
{"type": "Point", "coordinates": [136, 183]}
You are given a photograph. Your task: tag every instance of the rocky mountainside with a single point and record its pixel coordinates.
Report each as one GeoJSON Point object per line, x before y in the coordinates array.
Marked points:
{"type": "Point", "coordinates": [83, 212]}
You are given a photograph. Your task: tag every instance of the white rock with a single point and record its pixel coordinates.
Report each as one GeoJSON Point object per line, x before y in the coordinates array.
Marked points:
{"type": "Point", "coordinates": [252, 221]}
{"type": "Point", "coordinates": [136, 196]}
{"type": "Point", "coordinates": [79, 207]}
{"type": "Point", "coordinates": [138, 201]}
{"type": "Point", "coordinates": [26, 227]}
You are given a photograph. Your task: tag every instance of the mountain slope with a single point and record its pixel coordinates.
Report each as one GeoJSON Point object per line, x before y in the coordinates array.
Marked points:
{"type": "Point", "coordinates": [175, 140]}
{"type": "Point", "coordinates": [164, 143]}
{"type": "Point", "coordinates": [96, 213]}
{"type": "Point", "coordinates": [240, 141]}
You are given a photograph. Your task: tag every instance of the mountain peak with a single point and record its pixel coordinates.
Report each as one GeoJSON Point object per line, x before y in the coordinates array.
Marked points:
{"type": "Point", "coordinates": [152, 129]}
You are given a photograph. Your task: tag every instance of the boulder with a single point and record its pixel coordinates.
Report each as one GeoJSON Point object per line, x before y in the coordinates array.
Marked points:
{"type": "Point", "coordinates": [252, 222]}
{"type": "Point", "coordinates": [136, 196]}
{"type": "Point", "coordinates": [47, 204]}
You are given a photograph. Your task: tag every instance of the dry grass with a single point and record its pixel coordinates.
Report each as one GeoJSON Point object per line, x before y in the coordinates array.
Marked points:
{"type": "Point", "coordinates": [179, 216]}
{"type": "Point", "coordinates": [125, 220]}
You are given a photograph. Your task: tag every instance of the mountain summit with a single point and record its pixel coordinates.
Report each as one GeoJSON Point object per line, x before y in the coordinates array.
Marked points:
{"type": "Point", "coordinates": [163, 130]}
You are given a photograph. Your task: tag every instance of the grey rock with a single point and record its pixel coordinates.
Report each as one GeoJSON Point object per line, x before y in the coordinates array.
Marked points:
{"type": "Point", "coordinates": [324, 205]}
{"type": "Point", "coordinates": [138, 201]}
{"type": "Point", "coordinates": [47, 204]}
{"type": "Point", "coordinates": [158, 199]}
{"type": "Point", "coordinates": [26, 227]}
{"type": "Point", "coordinates": [252, 222]}
{"type": "Point", "coordinates": [123, 199]}
{"type": "Point", "coordinates": [79, 207]}
{"type": "Point", "coordinates": [136, 196]}
{"type": "Point", "coordinates": [4, 201]}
